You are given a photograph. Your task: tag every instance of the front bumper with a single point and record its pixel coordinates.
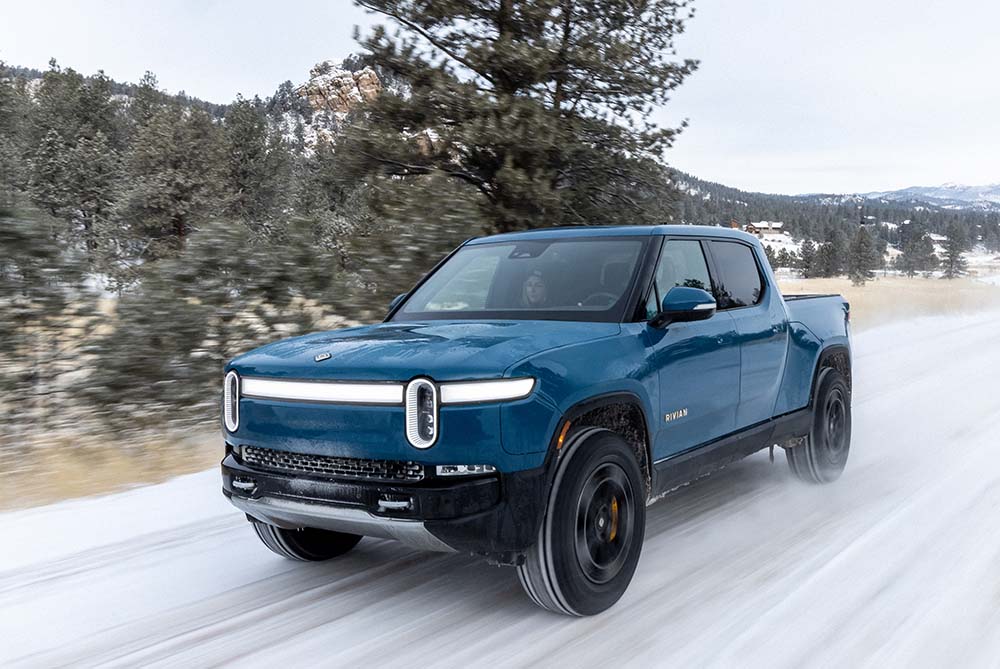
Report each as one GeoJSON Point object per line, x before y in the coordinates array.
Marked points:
{"type": "Point", "coordinates": [496, 515]}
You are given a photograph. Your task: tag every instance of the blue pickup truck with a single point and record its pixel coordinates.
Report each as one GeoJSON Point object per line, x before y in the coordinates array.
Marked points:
{"type": "Point", "coordinates": [531, 395]}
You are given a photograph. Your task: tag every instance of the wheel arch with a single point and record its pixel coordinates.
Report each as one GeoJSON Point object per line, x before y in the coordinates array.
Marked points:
{"type": "Point", "coordinates": [623, 413]}
{"type": "Point", "coordinates": [836, 356]}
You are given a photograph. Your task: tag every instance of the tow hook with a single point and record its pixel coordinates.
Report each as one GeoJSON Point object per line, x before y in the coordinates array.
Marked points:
{"type": "Point", "coordinates": [244, 484]}
{"type": "Point", "coordinates": [394, 503]}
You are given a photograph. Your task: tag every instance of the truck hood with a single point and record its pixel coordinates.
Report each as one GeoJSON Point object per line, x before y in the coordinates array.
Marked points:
{"type": "Point", "coordinates": [442, 350]}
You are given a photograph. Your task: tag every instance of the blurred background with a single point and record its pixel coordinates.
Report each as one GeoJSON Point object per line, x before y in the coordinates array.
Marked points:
{"type": "Point", "coordinates": [148, 235]}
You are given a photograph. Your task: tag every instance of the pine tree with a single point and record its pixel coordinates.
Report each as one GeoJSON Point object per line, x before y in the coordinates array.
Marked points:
{"type": "Point", "coordinates": [49, 175]}
{"type": "Point", "coordinates": [863, 258]}
{"type": "Point", "coordinates": [917, 256]}
{"type": "Point", "coordinates": [771, 258]}
{"type": "Point", "coordinates": [92, 178]}
{"type": "Point", "coordinates": [881, 252]}
{"type": "Point", "coordinates": [146, 100]}
{"type": "Point", "coordinates": [258, 164]}
{"type": "Point", "coordinates": [953, 263]}
{"type": "Point", "coordinates": [784, 258]}
{"type": "Point", "coordinates": [517, 104]}
{"type": "Point", "coordinates": [12, 111]}
{"type": "Point", "coordinates": [74, 106]}
{"type": "Point", "coordinates": [807, 258]}
{"type": "Point", "coordinates": [991, 233]}
{"type": "Point", "coordinates": [174, 177]}
{"type": "Point", "coordinates": [831, 257]}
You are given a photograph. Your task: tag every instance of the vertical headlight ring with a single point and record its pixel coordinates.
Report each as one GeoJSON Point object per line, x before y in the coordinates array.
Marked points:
{"type": "Point", "coordinates": [421, 413]}
{"type": "Point", "coordinates": [231, 401]}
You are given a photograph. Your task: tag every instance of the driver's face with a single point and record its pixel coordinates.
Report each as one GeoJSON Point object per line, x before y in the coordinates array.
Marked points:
{"type": "Point", "coordinates": [534, 290]}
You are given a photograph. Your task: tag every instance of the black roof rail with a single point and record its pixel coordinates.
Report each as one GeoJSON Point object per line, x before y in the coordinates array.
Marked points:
{"type": "Point", "coordinates": [572, 225]}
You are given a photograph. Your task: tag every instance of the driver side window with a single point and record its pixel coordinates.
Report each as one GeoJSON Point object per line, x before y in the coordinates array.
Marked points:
{"type": "Point", "coordinates": [682, 263]}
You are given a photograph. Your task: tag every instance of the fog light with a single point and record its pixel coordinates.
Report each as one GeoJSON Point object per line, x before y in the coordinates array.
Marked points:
{"type": "Point", "coordinates": [464, 470]}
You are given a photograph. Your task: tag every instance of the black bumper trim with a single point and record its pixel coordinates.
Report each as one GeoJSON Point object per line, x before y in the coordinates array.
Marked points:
{"type": "Point", "coordinates": [495, 515]}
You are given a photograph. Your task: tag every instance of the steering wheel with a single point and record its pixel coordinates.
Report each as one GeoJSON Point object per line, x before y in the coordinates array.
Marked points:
{"type": "Point", "coordinates": [594, 300]}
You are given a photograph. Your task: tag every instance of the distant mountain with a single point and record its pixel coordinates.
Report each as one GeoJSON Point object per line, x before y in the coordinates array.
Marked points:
{"type": "Point", "coordinates": [809, 216]}
{"type": "Point", "coordinates": [949, 196]}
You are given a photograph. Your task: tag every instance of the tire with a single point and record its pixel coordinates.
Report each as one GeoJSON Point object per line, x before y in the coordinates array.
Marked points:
{"type": "Point", "coordinates": [822, 457]}
{"type": "Point", "coordinates": [592, 532]}
{"type": "Point", "coordinates": [306, 544]}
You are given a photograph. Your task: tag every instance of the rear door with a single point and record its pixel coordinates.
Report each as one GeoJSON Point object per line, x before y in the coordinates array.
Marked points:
{"type": "Point", "coordinates": [697, 363]}
{"type": "Point", "coordinates": [742, 293]}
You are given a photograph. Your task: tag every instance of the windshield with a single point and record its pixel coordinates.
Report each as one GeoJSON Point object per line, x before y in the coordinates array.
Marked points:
{"type": "Point", "coordinates": [585, 279]}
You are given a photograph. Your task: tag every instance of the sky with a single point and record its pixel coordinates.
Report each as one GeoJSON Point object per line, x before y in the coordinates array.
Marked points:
{"type": "Point", "coordinates": [790, 96]}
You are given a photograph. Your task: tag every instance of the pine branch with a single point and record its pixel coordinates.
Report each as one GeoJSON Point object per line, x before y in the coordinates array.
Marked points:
{"type": "Point", "coordinates": [426, 35]}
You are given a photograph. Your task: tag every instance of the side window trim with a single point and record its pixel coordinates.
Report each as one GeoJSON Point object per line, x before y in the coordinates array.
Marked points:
{"type": "Point", "coordinates": [654, 288]}
{"type": "Point", "coordinates": [713, 272]}
{"type": "Point", "coordinates": [650, 281]}
{"type": "Point", "coordinates": [716, 275]}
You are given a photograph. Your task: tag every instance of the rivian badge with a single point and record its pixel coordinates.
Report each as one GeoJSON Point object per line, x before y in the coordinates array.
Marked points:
{"type": "Point", "coordinates": [321, 357]}
{"type": "Point", "coordinates": [674, 415]}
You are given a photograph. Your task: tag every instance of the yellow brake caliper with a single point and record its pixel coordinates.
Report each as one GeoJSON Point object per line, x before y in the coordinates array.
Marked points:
{"type": "Point", "coordinates": [614, 519]}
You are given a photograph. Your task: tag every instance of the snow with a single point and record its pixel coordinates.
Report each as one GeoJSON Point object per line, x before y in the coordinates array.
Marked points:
{"type": "Point", "coordinates": [893, 565]}
{"type": "Point", "coordinates": [779, 241]}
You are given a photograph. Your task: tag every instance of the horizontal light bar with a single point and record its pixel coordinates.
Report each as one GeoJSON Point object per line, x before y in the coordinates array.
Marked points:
{"type": "Point", "coordinates": [464, 470]}
{"type": "Point", "coordinates": [348, 393]}
{"type": "Point", "coordinates": [485, 391]}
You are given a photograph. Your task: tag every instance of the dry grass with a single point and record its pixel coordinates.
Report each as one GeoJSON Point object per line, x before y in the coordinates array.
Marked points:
{"type": "Point", "coordinates": [894, 298]}
{"type": "Point", "coordinates": [65, 468]}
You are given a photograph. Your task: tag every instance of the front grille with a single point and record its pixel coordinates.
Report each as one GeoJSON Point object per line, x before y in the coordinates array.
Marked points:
{"type": "Point", "coordinates": [322, 465]}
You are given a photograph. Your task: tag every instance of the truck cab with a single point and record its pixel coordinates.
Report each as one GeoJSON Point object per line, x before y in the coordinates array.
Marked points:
{"type": "Point", "coordinates": [528, 398]}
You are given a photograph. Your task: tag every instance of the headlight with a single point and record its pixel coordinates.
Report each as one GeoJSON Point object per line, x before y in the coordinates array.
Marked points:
{"type": "Point", "coordinates": [486, 391]}
{"type": "Point", "coordinates": [231, 401]}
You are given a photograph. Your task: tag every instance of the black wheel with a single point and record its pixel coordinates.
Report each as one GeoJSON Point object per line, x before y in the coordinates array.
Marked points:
{"type": "Point", "coordinates": [591, 537]}
{"type": "Point", "coordinates": [822, 457]}
{"type": "Point", "coordinates": [306, 544]}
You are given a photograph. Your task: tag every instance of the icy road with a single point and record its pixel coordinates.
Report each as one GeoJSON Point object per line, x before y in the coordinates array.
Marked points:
{"type": "Point", "coordinates": [897, 564]}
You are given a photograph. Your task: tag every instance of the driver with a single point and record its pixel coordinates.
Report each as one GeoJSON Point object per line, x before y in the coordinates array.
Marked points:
{"type": "Point", "coordinates": [534, 293]}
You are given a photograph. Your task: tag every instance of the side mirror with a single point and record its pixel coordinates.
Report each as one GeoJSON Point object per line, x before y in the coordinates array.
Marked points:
{"type": "Point", "coordinates": [682, 304]}
{"type": "Point", "coordinates": [396, 300]}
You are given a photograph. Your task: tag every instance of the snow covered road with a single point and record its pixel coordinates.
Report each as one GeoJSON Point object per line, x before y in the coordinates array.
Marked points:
{"type": "Point", "coordinates": [897, 564]}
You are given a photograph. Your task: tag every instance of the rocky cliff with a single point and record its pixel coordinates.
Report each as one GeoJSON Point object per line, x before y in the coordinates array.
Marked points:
{"type": "Point", "coordinates": [332, 89]}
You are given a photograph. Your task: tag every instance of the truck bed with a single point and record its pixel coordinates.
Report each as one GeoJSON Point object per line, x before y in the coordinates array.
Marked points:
{"type": "Point", "coordinates": [824, 315]}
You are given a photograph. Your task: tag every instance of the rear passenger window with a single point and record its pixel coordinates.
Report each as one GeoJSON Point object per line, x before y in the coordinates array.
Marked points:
{"type": "Point", "coordinates": [682, 263]}
{"type": "Point", "coordinates": [739, 283]}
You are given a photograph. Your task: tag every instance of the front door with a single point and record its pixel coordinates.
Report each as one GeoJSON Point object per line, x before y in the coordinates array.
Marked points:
{"type": "Point", "coordinates": [697, 363]}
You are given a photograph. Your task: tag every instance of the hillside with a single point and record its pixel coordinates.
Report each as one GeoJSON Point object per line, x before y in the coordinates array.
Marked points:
{"type": "Point", "coordinates": [947, 196]}
{"type": "Point", "coordinates": [316, 108]}
{"type": "Point", "coordinates": [808, 216]}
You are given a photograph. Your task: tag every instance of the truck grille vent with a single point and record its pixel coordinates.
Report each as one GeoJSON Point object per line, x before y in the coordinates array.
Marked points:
{"type": "Point", "coordinates": [354, 468]}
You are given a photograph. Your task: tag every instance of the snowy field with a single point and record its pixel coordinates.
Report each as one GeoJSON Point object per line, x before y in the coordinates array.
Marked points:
{"type": "Point", "coordinates": [897, 564]}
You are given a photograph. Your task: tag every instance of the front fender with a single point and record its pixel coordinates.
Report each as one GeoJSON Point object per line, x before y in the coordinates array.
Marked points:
{"type": "Point", "coordinates": [569, 376]}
